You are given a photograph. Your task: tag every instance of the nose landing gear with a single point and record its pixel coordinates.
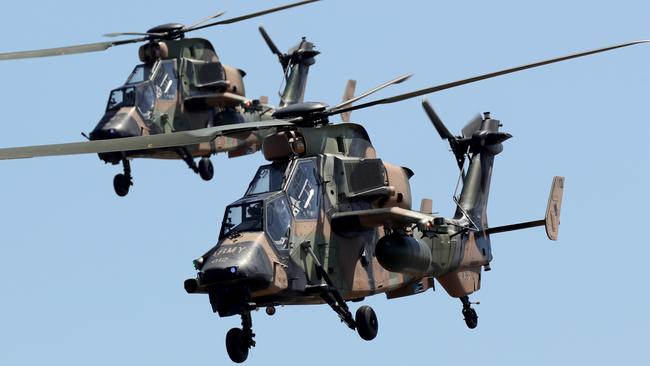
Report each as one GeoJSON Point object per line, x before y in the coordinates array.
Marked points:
{"type": "Point", "coordinates": [469, 314]}
{"type": "Point", "coordinates": [240, 341]}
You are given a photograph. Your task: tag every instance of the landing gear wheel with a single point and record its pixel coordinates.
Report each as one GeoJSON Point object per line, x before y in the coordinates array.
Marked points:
{"type": "Point", "coordinates": [471, 318]}
{"type": "Point", "coordinates": [121, 184]}
{"type": "Point", "coordinates": [206, 170]}
{"type": "Point", "coordinates": [366, 322]}
{"type": "Point", "coordinates": [236, 346]}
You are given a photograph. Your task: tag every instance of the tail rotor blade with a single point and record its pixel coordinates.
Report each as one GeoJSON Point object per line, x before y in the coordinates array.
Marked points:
{"type": "Point", "coordinates": [269, 42]}
{"type": "Point", "coordinates": [437, 122]}
{"type": "Point", "coordinates": [472, 126]}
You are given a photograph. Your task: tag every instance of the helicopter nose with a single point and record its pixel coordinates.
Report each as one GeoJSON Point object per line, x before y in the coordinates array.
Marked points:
{"type": "Point", "coordinates": [239, 261]}
{"type": "Point", "coordinates": [118, 124]}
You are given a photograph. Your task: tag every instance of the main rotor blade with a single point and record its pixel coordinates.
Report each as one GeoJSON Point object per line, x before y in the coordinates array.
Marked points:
{"type": "Point", "coordinates": [119, 34]}
{"type": "Point", "coordinates": [252, 15]}
{"type": "Point", "coordinates": [474, 79]}
{"type": "Point", "coordinates": [69, 50]}
{"type": "Point", "coordinates": [139, 142]}
{"type": "Point", "coordinates": [372, 91]}
{"type": "Point", "coordinates": [196, 24]}
{"type": "Point", "coordinates": [437, 122]}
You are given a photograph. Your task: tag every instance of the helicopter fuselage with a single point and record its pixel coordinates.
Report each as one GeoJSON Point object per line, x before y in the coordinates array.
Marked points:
{"type": "Point", "coordinates": [330, 214]}
{"type": "Point", "coordinates": [181, 85]}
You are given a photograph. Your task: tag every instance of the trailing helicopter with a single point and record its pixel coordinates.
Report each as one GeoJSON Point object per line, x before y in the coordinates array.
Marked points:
{"type": "Point", "coordinates": [182, 85]}
{"type": "Point", "coordinates": [327, 221]}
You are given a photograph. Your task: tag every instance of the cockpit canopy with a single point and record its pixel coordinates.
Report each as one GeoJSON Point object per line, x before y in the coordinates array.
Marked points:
{"type": "Point", "coordinates": [145, 86]}
{"type": "Point", "coordinates": [278, 194]}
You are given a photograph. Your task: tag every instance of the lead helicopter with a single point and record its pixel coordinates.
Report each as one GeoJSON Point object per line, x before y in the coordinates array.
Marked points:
{"type": "Point", "coordinates": [328, 222]}
{"type": "Point", "coordinates": [182, 85]}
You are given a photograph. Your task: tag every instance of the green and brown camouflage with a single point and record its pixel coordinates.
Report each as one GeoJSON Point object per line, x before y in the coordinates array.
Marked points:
{"type": "Point", "coordinates": [328, 220]}
{"type": "Point", "coordinates": [181, 85]}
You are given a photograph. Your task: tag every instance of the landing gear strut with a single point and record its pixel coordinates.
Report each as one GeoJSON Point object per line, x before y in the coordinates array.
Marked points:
{"type": "Point", "coordinates": [240, 340]}
{"type": "Point", "coordinates": [469, 314]}
{"type": "Point", "coordinates": [204, 168]}
{"type": "Point", "coordinates": [365, 320]}
{"type": "Point", "coordinates": [122, 182]}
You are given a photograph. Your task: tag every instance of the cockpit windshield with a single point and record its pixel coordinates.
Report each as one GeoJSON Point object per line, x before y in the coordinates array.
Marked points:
{"type": "Point", "coordinates": [140, 73]}
{"type": "Point", "coordinates": [141, 95]}
{"type": "Point", "coordinates": [124, 97]}
{"type": "Point", "coordinates": [269, 178]}
{"type": "Point", "coordinates": [144, 87]}
{"type": "Point", "coordinates": [246, 216]}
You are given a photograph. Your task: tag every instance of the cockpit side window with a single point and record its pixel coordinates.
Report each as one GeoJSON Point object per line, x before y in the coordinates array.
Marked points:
{"type": "Point", "coordinates": [268, 178]}
{"type": "Point", "coordinates": [304, 191]}
{"type": "Point", "coordinates": [278, 221]}
{"type": "Point", "coordinates": [165, 80]}
{"type": "Point", "coordinates": [119, 98]}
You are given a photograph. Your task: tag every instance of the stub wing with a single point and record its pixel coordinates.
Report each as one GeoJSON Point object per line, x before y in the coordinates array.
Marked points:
{"type": "Point", "coordinates": [378, 217]}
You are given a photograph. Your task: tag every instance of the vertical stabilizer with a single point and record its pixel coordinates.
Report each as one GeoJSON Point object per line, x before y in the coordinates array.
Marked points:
{"type": "Point", "coordinates": [552, 218]}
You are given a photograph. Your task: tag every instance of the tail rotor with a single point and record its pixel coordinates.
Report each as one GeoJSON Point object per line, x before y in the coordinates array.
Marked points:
{"type": "Point", "coordinates": [459, 144]}
{"type": "Point", "coordinates": [480, 134]}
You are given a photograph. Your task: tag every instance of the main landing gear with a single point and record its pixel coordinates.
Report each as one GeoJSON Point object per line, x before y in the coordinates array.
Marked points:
{"type": "Point", "coordinates": [240, 340]}
{"type": "Point", "coordinates": [204, 168]}
{"type": "Point", "coordinates": [365, 320]}
{"type": "Point", "coordinates": [122, 182]}
{"type": "Point", "coordinates": [469, 314]}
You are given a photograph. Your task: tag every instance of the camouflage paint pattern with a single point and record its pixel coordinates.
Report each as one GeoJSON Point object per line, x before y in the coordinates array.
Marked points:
{"type": "Point", "coordinates": [362, 200]}
{"type": "Point", "coordinates": [193, 90]}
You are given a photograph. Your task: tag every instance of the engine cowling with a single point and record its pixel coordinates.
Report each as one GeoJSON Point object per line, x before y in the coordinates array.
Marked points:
{"type": "Point", "coordinates": [403, 254]}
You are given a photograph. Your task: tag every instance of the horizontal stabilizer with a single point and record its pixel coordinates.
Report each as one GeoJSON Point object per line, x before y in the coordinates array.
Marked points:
{"type": "Point", "coordinates": [552, 218]}
{"type": "Point", "coordinates": [368, 219]}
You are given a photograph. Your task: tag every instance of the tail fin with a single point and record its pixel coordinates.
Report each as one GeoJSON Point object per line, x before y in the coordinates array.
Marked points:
{"type": "Point", "coordinates": [552, 218]}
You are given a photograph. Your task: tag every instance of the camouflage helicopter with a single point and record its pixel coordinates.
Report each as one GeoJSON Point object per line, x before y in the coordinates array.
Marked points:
{"type": "Point", "coordinates": [326, 221]}
{"type": "Point", "coordinates": [181, 85]}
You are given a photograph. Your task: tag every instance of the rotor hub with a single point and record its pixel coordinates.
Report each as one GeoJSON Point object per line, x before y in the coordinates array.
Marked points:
{"type": "Point", "coordinates": [166, 28]}
{"type": "Point", "coordinates": [170, 30]}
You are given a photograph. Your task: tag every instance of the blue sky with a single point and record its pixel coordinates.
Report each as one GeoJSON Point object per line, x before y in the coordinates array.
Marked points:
{"type": "Point", "coordinates": [87, 277]}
